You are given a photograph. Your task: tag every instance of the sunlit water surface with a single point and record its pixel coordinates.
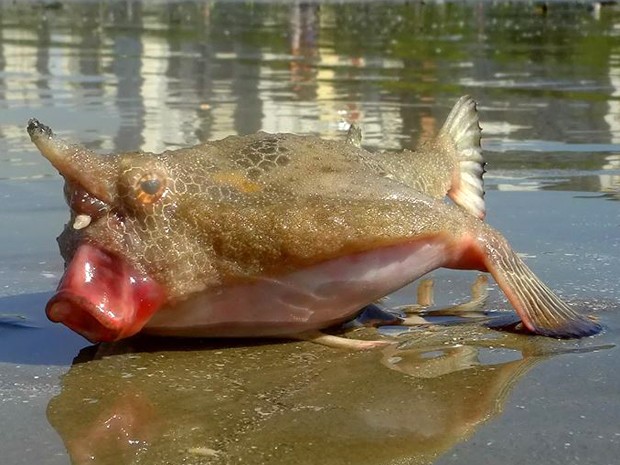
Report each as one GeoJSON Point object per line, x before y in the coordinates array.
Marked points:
{"type": "Point", "coordinates": [133, 75]}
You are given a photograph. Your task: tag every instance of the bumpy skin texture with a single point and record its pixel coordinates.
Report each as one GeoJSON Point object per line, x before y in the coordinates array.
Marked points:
{"type": "Point", "coordinates": [210, 219]}
{"type": "Point", "coordinates": [250, 206]}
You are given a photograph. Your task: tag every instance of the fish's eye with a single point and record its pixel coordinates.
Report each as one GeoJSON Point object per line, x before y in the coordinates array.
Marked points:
{"type": "Point", "coordinates": [150, 188]}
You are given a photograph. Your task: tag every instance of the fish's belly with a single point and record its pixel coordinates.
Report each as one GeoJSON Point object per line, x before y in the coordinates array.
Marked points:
{"type": "Point", "coordinates": [316, 297]}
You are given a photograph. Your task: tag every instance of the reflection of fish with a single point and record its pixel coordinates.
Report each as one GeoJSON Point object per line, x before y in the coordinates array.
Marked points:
{"type": "Point", "coordinates": [188, 402]}
{"type": "Point", "coordinates": [275, 234]}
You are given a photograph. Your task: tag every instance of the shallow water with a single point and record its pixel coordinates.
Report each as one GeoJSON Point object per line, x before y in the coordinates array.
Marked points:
{"type": "Point", "coordinates": [155, 75]}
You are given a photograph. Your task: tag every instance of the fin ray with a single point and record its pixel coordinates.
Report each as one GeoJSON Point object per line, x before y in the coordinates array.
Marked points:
{"type": "Point", "coordinates": [539, 308]}
{"type": "Point", "coordinates": [462, 129]}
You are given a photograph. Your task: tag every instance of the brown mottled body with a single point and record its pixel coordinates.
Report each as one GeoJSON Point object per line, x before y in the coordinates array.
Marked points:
{"type": "Point", "coordinates": [280, 202]}
{"type": "Point", "coordinates": [224, 225]}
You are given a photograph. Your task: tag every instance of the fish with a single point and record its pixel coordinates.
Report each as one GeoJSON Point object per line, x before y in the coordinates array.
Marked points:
{"type": "Point", "coordinates": [277, 235]}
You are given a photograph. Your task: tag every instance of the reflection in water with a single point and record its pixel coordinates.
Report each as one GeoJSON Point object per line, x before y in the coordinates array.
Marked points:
{"type": "Point", "coordinates": [610, 183]}
{"type": "Point", "coordinates": [141, 402]}
{"type": "Point", "coordinates": [288, 403]}
{"type": "Point", "coordinates": [133, 75]}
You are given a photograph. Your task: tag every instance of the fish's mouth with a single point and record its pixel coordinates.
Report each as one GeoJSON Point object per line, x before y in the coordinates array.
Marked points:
{"type": "Point", "coordinates": [85, 207]}
{"type": "Point", "coordinates": [102, 297]}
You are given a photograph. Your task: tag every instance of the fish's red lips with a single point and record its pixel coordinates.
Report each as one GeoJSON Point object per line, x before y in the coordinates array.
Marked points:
{"type": "Point", "coordinates": [104, 298]}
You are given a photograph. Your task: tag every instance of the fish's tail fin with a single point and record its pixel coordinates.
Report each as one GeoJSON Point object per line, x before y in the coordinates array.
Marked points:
{"type": "Point", "coordinates": [462, 130]}
{"type": "Point", "coordinates": [539, 308]}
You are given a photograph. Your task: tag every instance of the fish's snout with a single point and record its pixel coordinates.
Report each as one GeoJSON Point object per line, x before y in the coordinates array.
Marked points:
{"type": "Point", "coordinates": [84, 319]}
{"type": "Point", "coordinates": [103, 298]}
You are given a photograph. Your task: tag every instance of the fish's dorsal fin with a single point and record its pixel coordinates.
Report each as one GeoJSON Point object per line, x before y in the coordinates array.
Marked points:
{"type": "Point", "coordinates": [354, 135]}
{"type": "Point", "coordinates": [463, 131]}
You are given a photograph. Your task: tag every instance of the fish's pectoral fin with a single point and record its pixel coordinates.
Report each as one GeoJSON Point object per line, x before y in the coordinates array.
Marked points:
{"type": "Point", "coordinates": [338, 342]}
{"type": "Point", "coordinates": [374, 315]}
{"type": "Point", "coordinates": [539, 308]}
{"type": "Point", "coordinates": [425, 293]}
{"type": "Point", "coordinates": [472, 308]}
{"type": "Point", "coordinates": [462, 129]}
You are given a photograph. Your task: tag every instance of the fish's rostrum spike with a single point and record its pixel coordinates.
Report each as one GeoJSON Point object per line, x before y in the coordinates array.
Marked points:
{"type": "Point", "coordinates": [36, 128]}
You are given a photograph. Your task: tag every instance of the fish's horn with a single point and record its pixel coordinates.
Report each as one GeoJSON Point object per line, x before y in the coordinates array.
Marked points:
{"type": "Point", "coordinates": [36, 129]}
{"type": "Point", "coordinates": [75, 163]}
{"type": "Point", "coordinates": [539, 308]}
{"type": "Point", "coordinates": [462, 130]}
